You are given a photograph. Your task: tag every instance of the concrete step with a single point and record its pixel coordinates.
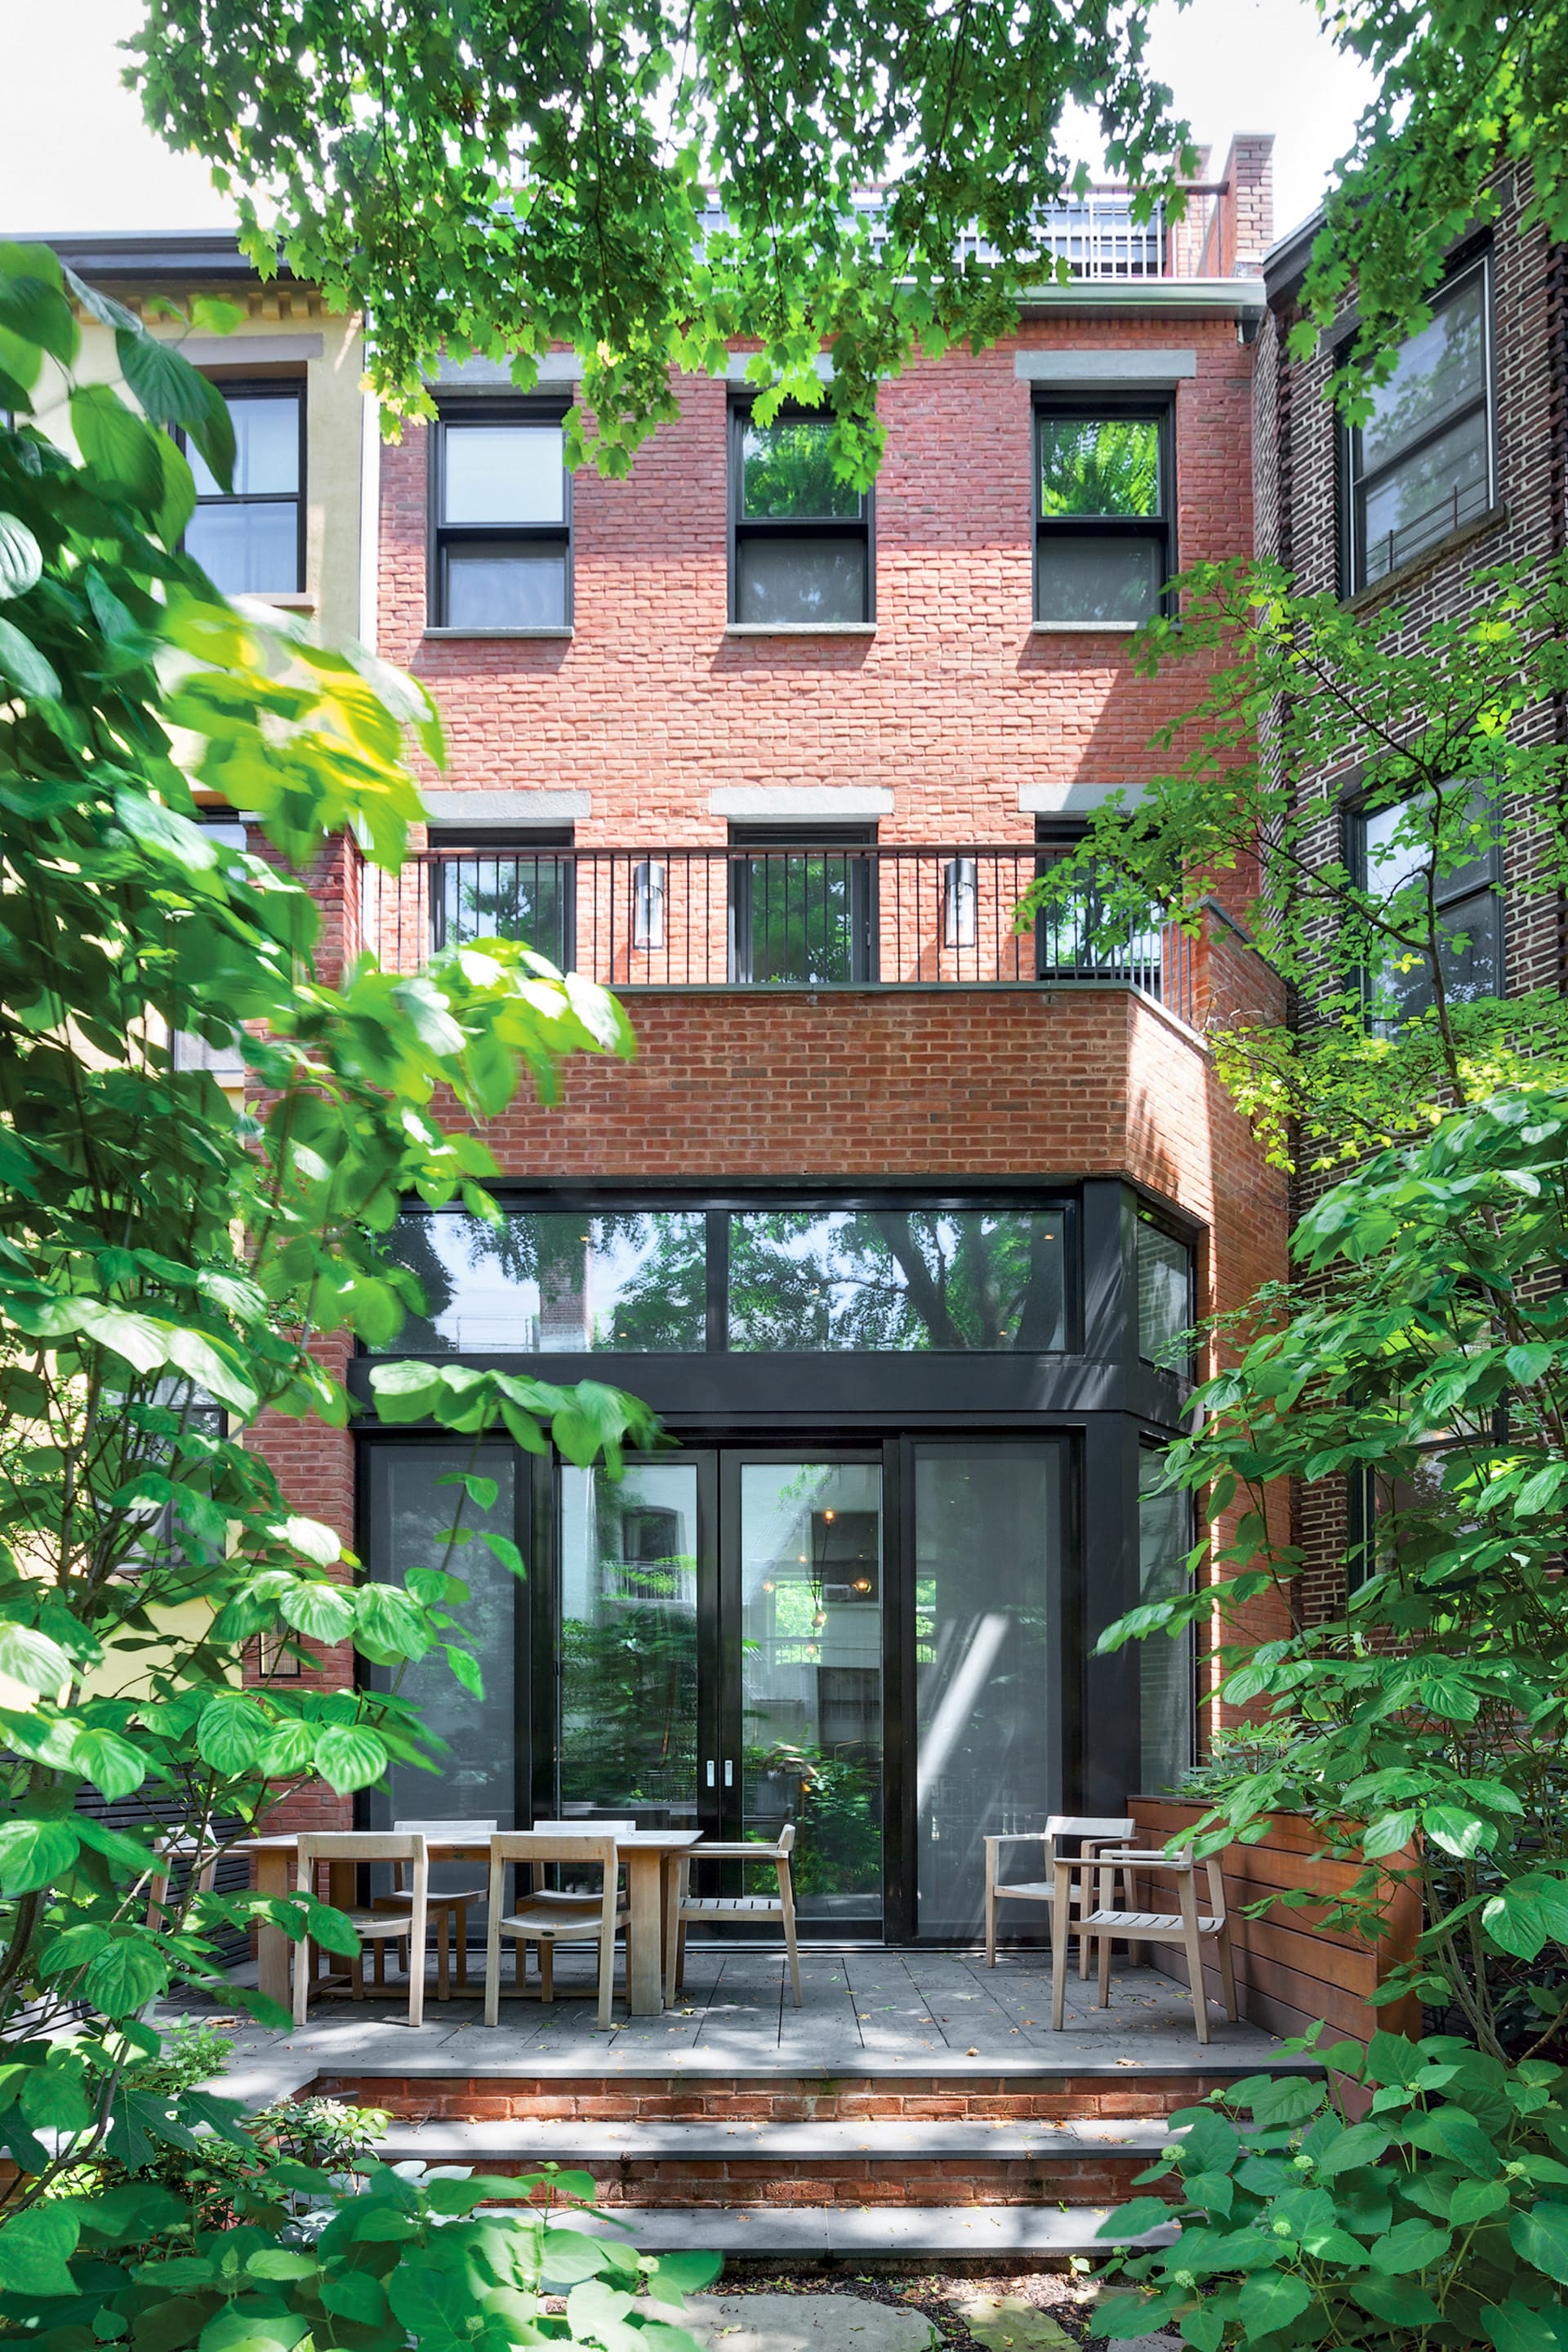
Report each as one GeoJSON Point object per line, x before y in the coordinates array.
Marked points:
{"type": "Point", "coordinates": [1043, 2233]}
{"type": "Point", "coordinates": [866, 2161]}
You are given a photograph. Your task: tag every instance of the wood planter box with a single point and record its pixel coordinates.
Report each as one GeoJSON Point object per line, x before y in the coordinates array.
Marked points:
{"type": "Point", "coordinates": [1290, 1970]}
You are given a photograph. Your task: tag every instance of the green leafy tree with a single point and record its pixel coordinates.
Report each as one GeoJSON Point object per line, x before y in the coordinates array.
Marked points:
{"type": "Point", "coordinates": [170, 1263]}
{"type": "Point", "coordinates": [645, 182]}
{"type": "Point", "coordinates": [1398, 1018]}
{"type": "Point", "coordinates": [1425, 1362]}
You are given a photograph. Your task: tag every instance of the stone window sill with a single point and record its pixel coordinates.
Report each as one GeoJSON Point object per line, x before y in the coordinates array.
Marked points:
{"type": "Point", "coordinates": [800, 628]}
{"type": "Point", "coordinates": [554, 629]}
{"type": "Point", "coordinates": [1392, 582]}
{"type": "Point", "coordinates": [1084, 628]}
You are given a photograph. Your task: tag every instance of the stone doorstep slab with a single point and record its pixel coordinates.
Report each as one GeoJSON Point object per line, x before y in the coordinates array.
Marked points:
{"type": "Point", "coordinates": [804, 2323]}
{"type": "Point", "coordinates": [1046, 2234]}
{"type": "Point", "coordinates": [568, 2142]}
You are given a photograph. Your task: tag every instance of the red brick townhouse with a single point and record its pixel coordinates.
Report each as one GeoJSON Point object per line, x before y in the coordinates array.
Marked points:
{"type": "Point", "coordinates": [897, 1209]}
{"type": "Point", "coordinates": [1462, 464]}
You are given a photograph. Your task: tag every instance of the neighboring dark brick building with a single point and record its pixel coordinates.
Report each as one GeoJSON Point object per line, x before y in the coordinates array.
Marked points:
{"type": "Point", "coordinates": [1491, 491]}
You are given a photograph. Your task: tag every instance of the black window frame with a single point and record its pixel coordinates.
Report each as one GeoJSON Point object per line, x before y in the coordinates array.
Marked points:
{"type": "Point", "coordinates": [843, 840]}
{"type": "Point", "coordinates": [1453, 891]}
{"type": "Point", "coordinates": [294, 388]}
{"type": "Point", "coordinates": [444, 536]}
{"type": "Point", "coordinates": [1182, 1368]}
{"type": "Point", "coordinates": [1353, 478]}
{"type": "Point", "coordinates": [451, 843]}
{"type": "Point", "coordinates": [859, 530]}
{"type": "Point", "coordinates": [1109, 408]}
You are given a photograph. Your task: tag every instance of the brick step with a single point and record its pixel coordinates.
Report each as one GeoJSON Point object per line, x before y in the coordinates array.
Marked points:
{"type": "Point", "coordinates": [1019, 2096]}
{"type": "Point", "coordinates": [1038, 2234]}
{"type": "Point", "coordinates": [868, 2161]}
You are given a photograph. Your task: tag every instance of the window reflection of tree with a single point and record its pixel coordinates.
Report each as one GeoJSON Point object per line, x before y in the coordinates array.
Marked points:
{"type": "Point", "coordinates": [662, 1308]}
{"type": "Point", "coordinates": [893, 1279]}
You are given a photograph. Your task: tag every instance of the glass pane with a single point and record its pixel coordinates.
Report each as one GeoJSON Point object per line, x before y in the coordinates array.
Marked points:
{"type": "Point", "coordinates": [503, 473]}
{"type": "Point", "coordinates": [1438, 371]}
{"type": "Point", "coordinates": [1107, 467]}
{"type": "Point", "coordinates": [628, 1644]}
{"type": "Point", "coordinates": [248, 550]}
{"type": "Point", "coordinates": [786, 472]}
{"type": "Point", "coordinates": [1164, 1667]}
{"type": "Point", "coordinates": [1097, 578]}
{"type": "Point", "coordinates": [1164, 1290]}
{"type": "Point", "coordinates": [1398, 851]}
{"type": "Point", "coordinates": [800, 579]}
{"type": "Point", "coordinates": [1469, 955]}
{"type": "Point", "coordinates": [896, 1279]}
{"type": "Point", "coordinates": [803, 916]}
{"type": "Point", "coordinates": [987, 1566]}
{"type": "Point", "coordinates": [515, 895]}
{"type": "Point", "coordinates": [506, 588]}
{"type": "Point", "coordinates": [554, 1283]}
{"type": "Point", "coordinates": [475, 1780]}
{"type": "Point", "coordinates": [1444, 486]}
{"type": "Point", "coordinates": [266, 449]}
{"type": "Point", "coordinates": [811, 1658]}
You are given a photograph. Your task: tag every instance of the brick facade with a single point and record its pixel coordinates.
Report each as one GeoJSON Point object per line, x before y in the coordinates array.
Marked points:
{"type": "Point", "coordinates": [1295, 496]}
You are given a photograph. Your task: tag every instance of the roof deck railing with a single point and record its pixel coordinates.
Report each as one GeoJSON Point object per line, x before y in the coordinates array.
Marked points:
{"type": "Point", "coordinates": [837, 916]}
{"type": "Point", "coordinates": [1098, 237]}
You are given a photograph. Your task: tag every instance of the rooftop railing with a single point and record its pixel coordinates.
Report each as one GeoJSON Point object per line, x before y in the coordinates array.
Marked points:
{"type": "Point", "coordinates": [836, 915]}
{"type": "Point", "coordinates": [1097, 236]}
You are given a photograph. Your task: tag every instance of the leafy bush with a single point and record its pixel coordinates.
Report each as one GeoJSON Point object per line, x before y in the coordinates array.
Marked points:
{"type": "Point", "coordinates": [406, 2260]}
{"type": "Point", "coordinates": [1238, 1753]}
{"type": "Point", "coordinates": [1440, 2218]}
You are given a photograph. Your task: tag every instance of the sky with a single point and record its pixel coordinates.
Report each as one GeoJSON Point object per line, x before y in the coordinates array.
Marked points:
{"type": "Point", "coordinates": [76, 155]}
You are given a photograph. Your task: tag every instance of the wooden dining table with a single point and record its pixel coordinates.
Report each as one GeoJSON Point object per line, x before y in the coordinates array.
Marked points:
{"type": "Point", "coordinates": [652, 1859]}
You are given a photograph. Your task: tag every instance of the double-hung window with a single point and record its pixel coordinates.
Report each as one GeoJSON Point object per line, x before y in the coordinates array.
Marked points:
{"type": "Point", "coordinates": [1421, 465]}
{"type": "Point", "coordinates": [250, 540]}
{"type": "Point", "coordinates": [1394, 859]}
{"type": "Point", "coordinates": [800, 536]}
{"type": "Point", "coordinates": [1103, 499]}
{"type": "Point", "coordinates": [502, 555]}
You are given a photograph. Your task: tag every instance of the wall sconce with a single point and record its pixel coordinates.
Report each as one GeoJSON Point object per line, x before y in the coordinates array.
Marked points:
{"type": "Point", "coordinates": [959, 898]}
{"type": "Point", "coordinates": [648, 903]}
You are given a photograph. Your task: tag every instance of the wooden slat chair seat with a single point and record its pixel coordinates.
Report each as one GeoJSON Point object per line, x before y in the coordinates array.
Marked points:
{"type": "Point", "coordinates": [1187, 1926]}
{"type": "Point", "coordinates": [449, 1905]}
{"type": "Point", "coordinates": [543, 1917]}
{"type": "Point", "coordinates": [1091, 1830]}
{"type": "Point", "coordinates": [377, 1926]}
{"type": "Point", "coordinates": [709, 1908]}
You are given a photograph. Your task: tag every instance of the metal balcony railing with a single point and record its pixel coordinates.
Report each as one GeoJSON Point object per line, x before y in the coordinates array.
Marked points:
{"type": "Point", "coordinates": [1096, 234]}
{"type": "Point", "coordinates": [751, 917]}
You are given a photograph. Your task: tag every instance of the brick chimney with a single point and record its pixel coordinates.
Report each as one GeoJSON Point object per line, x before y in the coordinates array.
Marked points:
{"type": "Point", "coordinates": [1247, 209]}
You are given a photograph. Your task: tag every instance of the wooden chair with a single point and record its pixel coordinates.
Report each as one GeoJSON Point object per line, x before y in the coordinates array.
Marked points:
{"type": "Point", "coordinates": [687, 1906]}
{"type": "Point", "coordinates": [1092, 1830]}
{"type": "Point", "coordinates": [201, 1860]}
{"type": "Point", "coordinates": [1187, 1926]}
{"type": "Point", "coordinates": [584, 1905]}
{"type": "Point", "coordinates": [449, 1905]}
{"type": "Point", "coordinates": [374, 1925]}
{"type": "Point", "coordinates": [544, 1916]}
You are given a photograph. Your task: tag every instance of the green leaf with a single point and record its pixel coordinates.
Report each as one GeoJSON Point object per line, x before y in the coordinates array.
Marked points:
{"type": "Point", "coordinates": [1540, 2237]}
{"type": "Point", "coordinates": [1271, 2300]}
{"type": "Point", "coordinates": [1518, 2327]}
{"type": "Point", "coordinates": [672, 2276]}
{"type": "Point", "coordinates": [405, 1392]}
{"type": "Point", "coordinates": [252, 2331]}
{"type": "Point", "coordinates": [348, 1757]}
{"type": "Point", "coordinates": [126, 1975]}
{"type": "Point", "coordinates": [502, 1547]}
{"type": "Point", "coordinates": [231, 1733]}
{"type": "Point", "coordinates": [321, 1611]}
{"type": "Point", "coordinates": [21, 560]}
{"type": "Point", "coordinates": [1362, 2143]}
{"type": "Point", "coordinates": [281, 2263]}
{"type": "Point", "coordinates": [30, 1658]}
{"type": "Point", "coordinates": [137, 2210]}
{"type": "Point", "coordinates": [35, 2248]}
{"type": "Point", "coordinates": [465, 1668]}
{"type": "Point", "coordinates": [35, 1852]}
{"type": "Point", "coordinates": [1399, 2301]}
{"type": "Point", "coordinates": [1131, 2220]}
{"type": "Point", "coordinates": [118, 446]}
{"type": "Point", "coordinates": [355, 2295]}
{"type": "Point", "coordinates": [1477, 2200]}
{"type": "Point", "coordinates": [1411, 2245]}
{"type": "Point", "coordinates": [112, 1765]}
{"type": "Point", "coordinates": [174, 394]}
{"type": "Point", "coordinates": [23, 666]}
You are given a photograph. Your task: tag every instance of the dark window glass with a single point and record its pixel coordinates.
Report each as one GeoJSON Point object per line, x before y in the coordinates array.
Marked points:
{"type": "Point", "coordinates": [248, 540]}
{"type": "Point", "coordinates": [802, 915]}
{"type": "Point", "coordinates": [801, 551]}
{"type": "Point", "coordinates": [521, 892]}
{"type": "Point", "coordinates": [1396, 857]}
{"type": "Point", "coordinates": [627, 1681]}
{"type": "Point", "coordinates": [1102, 548]}
{"type": "Point", "coordinates": [1396, 1513]}
{"type": "Point", "coordinates": [1166, 1695]}
{"type": "Point", "coordinates": [1164, 1292]}
{"type": "Point", "coordinates": [552, 1284]}
{"type": "Point", "coordinates": [896, 1279]}
{"type": "Point", "coordinates": [987, 1611]}
{"type": "Point", "coordinates": [503, 532]}
{"type": "Point", "coordinates": [1421, 465]}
